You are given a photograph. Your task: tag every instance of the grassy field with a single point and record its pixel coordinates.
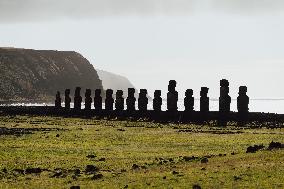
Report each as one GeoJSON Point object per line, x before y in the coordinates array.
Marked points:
{"type": "Point", "coordinates": [48, 152]}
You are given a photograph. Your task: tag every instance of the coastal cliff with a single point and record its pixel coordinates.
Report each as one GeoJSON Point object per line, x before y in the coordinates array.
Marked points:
{"type": "Point", "coordinates": [28, 75]}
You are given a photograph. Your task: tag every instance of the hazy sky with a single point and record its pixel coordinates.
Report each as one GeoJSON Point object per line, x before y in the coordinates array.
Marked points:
{"type": "Point", "coordinates": [196, 42]}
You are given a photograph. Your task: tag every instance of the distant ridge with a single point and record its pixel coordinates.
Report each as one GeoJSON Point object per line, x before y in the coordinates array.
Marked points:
{"type": "Point", "coordinates": [115, 82]}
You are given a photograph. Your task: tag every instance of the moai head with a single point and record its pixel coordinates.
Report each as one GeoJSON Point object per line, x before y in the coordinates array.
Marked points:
{"type": "Point", "coordinates": [142, 100]}
{"type": "Point", "coordinates": [224, 83]}
{"type": "Point", "coordinates": [58, 100]}
{"type": "Point", "coordinates": [243, 100]}
{"type": "Point", "coordinates": [157, 102]}
{"type": "Point", "coordinates": [109, 93]}
{"type": "Point", "coordinates": [57, 95]}
{"type": "Point", "coordinates": [98, 92]}
{"type": "Point", "coordinates": [67, 98]}
{"type": "Point", "coordinates": [119, 94]}
{"type": "Point", "coordinates": [204, 91]}
{"type": "Point", "coordinates": [67, 92]}
{"type": "Point", "coordinates": [88, 99]}
{"type": "Point", "coordinates": [77, 91]}
{"type": "Point", "coordinates": [242, 90]}
{"type": "Point", "coordinates": [157, 94]}
{"type": "Point", "coordinates": [188, 92]}
{"type": "Point", "coordinates": [143, 92]}
{"type": "Point", "coordinates": [224, 87]}
{"type": "Point", "coordinates": [131, 92]}
{"type": "Point", "coordinates": [88, 93]}
{"type": "Point", "coordinates": [172, 85]}
{"type": "Point", "coordinates": [109, 100]}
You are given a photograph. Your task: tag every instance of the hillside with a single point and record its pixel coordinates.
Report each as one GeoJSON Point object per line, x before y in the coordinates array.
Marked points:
{"type": "Point", "coordinates": [28, 75]}
{"type": "Point", "coordinates": [115, 82]}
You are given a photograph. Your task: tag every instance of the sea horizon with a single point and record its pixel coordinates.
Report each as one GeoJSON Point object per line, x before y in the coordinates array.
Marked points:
{"type": "Point", "coordinates": [266, 105]}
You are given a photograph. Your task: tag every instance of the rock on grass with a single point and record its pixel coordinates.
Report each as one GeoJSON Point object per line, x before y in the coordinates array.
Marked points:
{"type": "Point", "coordinates": [255, 148]}
{"type": "Point", "coordinates": [204, 160]}
{"type": "Point", "coordinates": [188, 158]}
{"type": "Point", "coordinates": [75, 187]}
{"type": "Point", "coordinates": [196, 186]}
{"type": "Point", "coordinates": [175, 173]}
{"type": "Point", "coordinates": [91, 169]}
{"type": "Point", "coordinates": [97, 176]}
{"type": "Point", "coordinates": [33, 171]}
{"type": "Point", "coordinates": [275, 145]}
{"type": "Point", "coordinates": [102, 159]}
{"type": "Point", "coordinates": [135, 167]}
{"type": "Point", "coordinates": [91, 156]}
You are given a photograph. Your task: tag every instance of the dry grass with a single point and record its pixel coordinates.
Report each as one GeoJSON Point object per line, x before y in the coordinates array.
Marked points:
{"type": "Point", "coordinates": [157, 149]}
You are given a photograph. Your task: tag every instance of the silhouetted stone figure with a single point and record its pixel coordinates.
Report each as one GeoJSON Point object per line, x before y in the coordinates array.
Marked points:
{"type": "Point", "coordinates": [77, 99]}
{"type": "Point", "coordinates": [143, 100]}
{"type": "Point", "coordinates": [172, 96]}
{"type": "Point", "coordinates": [189, 100]}
{"type": "Point", "coordinates": [98, 100]}
{"type": "Point", "coordinates": [119, 101]}
{"type": "Point", "coordinates": [88, 99]}
{"type": "Point", "coordinates": [130, 100]}
{"type": "Point", "coordinates": [58, 100]}
{"type": "Point", "coordinates": [242, 104]}
{"type": "Point", "coordinates": [157, 101]}
{"type": "Point", "coordinates": [243, 100]}
{"type": "Point", "coordinates": [204, 100]}
{"type": "Point", "coordinates": [224, 99]}
{"type": "Point", "coordinates": [67, 99]}
{"type": "Point", "coordinates": [109, 100]}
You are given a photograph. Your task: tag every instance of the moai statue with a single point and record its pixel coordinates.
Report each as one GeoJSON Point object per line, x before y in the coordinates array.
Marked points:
{"type": "Point", "coordinates": [224, 99]}
{"type": "Point", "coordinates": [157, 101]}
{"type": "Point", "coordinates": [119, 101]}
{"type": "Point", "coordinates": [109, 100]}
{"type": "Point", "coordinates": [77, 99]}
{"type": "Point", "coordinates": [88, 99]}
{"type": "Point", "coordinates": [189, 100]}
{"type": "Point", "coordinates": [58, 100]}
{"type": "Point", "coordinates": [204, 100]}
{"type": "Point", "coordinates": [243, 100]}
{"type": "Point", "coordinates": [143, 100]}
{"type": "Point", "coordinates": [172, 96]}
{"type": "Point", "coordinates": [98, 100]}
{"type": "Point", "coordinates": [67, 99]}
{"type": "Point", "coordinates": [130, 100]}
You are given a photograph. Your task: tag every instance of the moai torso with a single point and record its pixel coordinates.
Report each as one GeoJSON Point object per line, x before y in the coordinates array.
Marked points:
{"type": "Point", "coordinates": [109, 100]}
{"type": "Point", "coordinates": [224, 99]}
{"type": "Point", "coordinates": [58, 100]}
{"type": "Point", "coordinates": [67, 99]}
{"type": "Point", "coordinates": [243, 100]}
{"type": "Point", "coordinates": [77, 99]}
{"type": "Point", "coordinates": [119, 101]}
{"type": "Point", "coordinates": [143, 100]}
{"type": "Point", "coordinates": [157, 101]}
{"type": "Point", "coordinates": [98, 100]}
{"type": "Point", "coordinates": [204, 100]}
{"type": "Point", "coordinates": [189, 100]}
{"type": "Point", "coordinates": [88, 99]}
{"type": "Point", "coordinates": [172, 96]}
{"type": "Point", "coordinates": [130, 101]}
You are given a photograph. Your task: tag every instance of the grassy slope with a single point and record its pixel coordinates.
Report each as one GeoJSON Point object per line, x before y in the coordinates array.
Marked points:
{"type": "Point", "coordinates": [126, 143]}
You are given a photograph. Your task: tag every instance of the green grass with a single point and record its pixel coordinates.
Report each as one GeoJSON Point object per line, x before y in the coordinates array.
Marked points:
{"type": "Point", "coordinates": [158, 150]}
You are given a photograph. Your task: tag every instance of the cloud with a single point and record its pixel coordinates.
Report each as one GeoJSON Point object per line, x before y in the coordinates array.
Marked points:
{"type": "Point", "coordinates": [47, 9]}
{"type": "Point", "coordinates": [25, 10]}
{"type": "Point", "coordinates": [249, 6]}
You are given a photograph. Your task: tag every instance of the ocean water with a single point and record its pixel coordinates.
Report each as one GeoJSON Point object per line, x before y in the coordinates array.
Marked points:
{"type": "Point", "coordinates": [256, 105]}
